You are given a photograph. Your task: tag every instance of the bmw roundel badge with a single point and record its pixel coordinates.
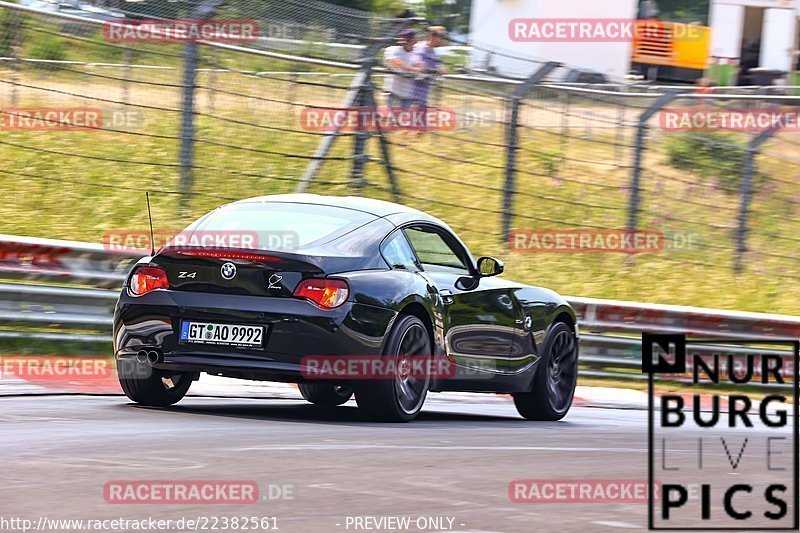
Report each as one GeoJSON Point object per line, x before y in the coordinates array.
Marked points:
{"type": "Point", "coordinates": [228, 270]}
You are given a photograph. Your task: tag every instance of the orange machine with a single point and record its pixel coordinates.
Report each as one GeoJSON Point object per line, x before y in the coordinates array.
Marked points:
{"type": "Point", "coordinates": [671, 50]}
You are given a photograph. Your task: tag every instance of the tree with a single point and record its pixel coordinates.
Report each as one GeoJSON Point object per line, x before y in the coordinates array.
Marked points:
{"type": "Point", "coordinates": [380, 7]}
{"type": "Point", "coordinates": [453, 14]}
{"type": "Point", "coordinates": [685, 10]}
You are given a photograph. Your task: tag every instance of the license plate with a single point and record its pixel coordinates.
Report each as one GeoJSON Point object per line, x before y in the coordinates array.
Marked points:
{"type": "Point", "coordinates": [222, 334]}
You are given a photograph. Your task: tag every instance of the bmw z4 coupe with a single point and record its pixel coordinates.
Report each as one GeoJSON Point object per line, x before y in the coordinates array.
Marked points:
{"type": "Point", "coordinates": [343, 296]}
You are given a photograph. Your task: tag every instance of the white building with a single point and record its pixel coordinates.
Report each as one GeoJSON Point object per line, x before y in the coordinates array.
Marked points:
{"type": "Point", "coordinates": [489, 28]}
{"type": "Point", "coordinates": [749, 31]}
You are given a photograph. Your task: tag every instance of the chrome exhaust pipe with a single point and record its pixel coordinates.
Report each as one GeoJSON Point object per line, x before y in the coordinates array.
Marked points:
{"type": "Point", "coordinates": [141, 357]}
{"type": "Point", "coordinates": [153, 357]}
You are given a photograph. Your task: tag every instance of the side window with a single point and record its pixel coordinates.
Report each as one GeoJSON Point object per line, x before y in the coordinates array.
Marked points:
{"type": "Point", "coordinates": [398, 253]}
{"type": "Point", "coordinates": [433, 252]}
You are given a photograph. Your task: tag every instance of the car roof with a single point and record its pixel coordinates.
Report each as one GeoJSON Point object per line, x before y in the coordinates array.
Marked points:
{"type": "Point", "coordinates": [379, 208]}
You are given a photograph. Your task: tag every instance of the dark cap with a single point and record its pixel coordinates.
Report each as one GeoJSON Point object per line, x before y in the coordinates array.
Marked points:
{"type": "Point", "coordinates": [405, 36]}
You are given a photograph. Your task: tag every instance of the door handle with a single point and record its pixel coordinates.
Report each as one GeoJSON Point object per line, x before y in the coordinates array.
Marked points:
{"type": "Point", "coordinates": [447, 296]}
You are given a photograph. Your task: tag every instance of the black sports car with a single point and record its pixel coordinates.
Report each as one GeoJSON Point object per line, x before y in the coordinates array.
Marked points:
{"type": "Point", "coordinates": [326, 280]}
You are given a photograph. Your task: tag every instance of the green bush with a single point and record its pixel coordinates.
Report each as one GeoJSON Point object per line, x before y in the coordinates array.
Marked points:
{"type": "Point", "coordinates": [8, 28]}
{"type": "Point", "coordinates": [710, 155]}
{"type": "Point", "coordinates": [48, 47]}
{"type": "Point", "coordinates": [548, 161]}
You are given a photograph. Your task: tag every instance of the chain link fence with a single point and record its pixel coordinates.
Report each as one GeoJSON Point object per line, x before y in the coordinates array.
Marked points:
{"type": "Point", "coordinates": [201, 123]}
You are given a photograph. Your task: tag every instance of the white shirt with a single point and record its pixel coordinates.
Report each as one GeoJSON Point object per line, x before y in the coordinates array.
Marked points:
{"type": "Point", "coordinates": [396, 84]}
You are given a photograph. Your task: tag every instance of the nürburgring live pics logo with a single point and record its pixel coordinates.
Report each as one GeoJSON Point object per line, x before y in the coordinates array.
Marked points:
{"type": "Point", "coordinates": [724, 450]}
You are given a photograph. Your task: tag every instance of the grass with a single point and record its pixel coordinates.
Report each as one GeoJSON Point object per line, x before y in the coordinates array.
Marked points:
{"type": "Point", "coordinates": [32, 346]}
{"type": "Point", "coordinates": [573, 173]}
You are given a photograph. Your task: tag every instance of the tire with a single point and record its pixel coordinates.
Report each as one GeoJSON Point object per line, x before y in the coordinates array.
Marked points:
{"type": "Point", "coordinates": [149, 386]}
{"type": "Point", "coordinates": [325, 395]}
{"type": "Point", "coordinates": [399, 399]}
{"type": "Point", "coordinates": [556, 377]}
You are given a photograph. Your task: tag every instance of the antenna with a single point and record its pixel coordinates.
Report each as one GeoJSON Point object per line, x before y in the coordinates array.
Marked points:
{"type": "Point", "coordinates": [150, 217]}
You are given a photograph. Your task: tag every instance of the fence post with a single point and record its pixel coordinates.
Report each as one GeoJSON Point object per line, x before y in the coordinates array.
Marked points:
{"type": "Point", "coordinates": [748, 172]}
{"type": "Point", "coordinates": [514, 103]}
{"type": "Point", "coordinates": [187, 123]}
{"type": "Point", "coordinates": [293, 90]}
{"type": "Point", "coordinates": [620, 132]}
{"type": "Point", "coordinates": [363, 99]}
{"type": "Point", "coordinates": [385, 152]}
{"type": "Point", "coordinates": [327, 142]}
{"type": "Point", "coordinates": [639, 147]}
{"type": "Point", "coordinates": [126, 72]}
{"type": "Point", "coordinates": [190, 59]}
{"type": "Point", "coordinates": [212, 78]}
{"type": "Point", "coordinates": [15, 42]}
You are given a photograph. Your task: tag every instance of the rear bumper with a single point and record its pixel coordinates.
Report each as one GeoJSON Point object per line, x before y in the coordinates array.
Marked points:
{"type": "Point", "coordinates": [295, 329]}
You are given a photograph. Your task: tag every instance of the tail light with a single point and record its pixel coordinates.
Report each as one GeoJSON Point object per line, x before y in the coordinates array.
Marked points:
{"type": "Point", "coordinates": [326, 293]}
{"type": "Point", "coordinates": [146, 279]}
{"type": "Point", "coordinates": [223, 254]}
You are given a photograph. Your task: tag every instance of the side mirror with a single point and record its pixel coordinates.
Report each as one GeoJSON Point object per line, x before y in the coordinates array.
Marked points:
{"type": "Point", "coordinates": [489, 266]}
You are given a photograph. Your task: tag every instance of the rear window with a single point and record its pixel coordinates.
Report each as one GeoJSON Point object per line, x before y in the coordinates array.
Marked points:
{"type": "Point", "coordinates": [278, 226]}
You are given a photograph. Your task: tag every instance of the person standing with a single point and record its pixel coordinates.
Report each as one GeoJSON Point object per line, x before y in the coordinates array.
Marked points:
{"type": "Point", "coordinates": [428, 65]}
{"type": "Point", "coordinates": [648, 9]}
{"type": "Point", "coordinates": [399, 59]}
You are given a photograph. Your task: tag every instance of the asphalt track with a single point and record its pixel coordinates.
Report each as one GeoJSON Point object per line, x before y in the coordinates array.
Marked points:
{"type": "Point", "coordinates": [455, 461]}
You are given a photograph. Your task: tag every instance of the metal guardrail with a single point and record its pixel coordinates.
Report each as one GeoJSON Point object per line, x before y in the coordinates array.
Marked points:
{"type": "Point", "coordinates": [610, 329]}
{"type": "Point", "coordinates": [635, 317]}
{"type": "Point", "coordinates": [73, 262]}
